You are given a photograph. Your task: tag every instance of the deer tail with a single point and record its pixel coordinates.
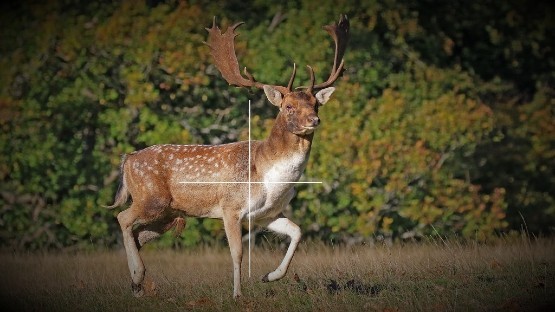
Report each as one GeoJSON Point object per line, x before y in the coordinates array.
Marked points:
{"type": "Point", "coordinates": [123, 194]}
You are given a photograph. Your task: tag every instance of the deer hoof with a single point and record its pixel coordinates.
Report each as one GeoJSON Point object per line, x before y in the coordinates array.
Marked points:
{"type": "Point", "coordinates": [265, 278]}
{"type": "Point", "coordinates": [138, 290]}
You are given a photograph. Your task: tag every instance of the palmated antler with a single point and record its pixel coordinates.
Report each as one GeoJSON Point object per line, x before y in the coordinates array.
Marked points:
{"type": "Point", "coordinates": [222, 48]}
{"type": "Point", "coordinates": [340, 34]}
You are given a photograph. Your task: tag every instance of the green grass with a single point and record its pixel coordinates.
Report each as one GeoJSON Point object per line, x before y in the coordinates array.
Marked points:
{"type": "Point", "coordinates": [510, 275]}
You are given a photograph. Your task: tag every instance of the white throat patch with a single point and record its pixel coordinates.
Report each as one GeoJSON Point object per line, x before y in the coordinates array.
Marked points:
{"type": "Point", "coordinates": [287, 170]}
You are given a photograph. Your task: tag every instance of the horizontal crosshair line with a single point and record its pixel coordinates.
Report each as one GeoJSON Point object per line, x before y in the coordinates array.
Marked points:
{"type": "Point", "coordinates": [247, 182]}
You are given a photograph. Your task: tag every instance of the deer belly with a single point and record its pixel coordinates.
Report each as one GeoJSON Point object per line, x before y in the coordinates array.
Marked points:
{"type": "Point", "coordinates": [197, 200]}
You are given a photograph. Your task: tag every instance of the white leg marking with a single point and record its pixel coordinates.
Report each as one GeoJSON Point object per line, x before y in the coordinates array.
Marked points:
{"type": "Point", "coordinates": [285, 226]}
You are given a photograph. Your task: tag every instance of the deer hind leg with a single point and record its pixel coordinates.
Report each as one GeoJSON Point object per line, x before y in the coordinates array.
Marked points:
{"type": "Point", "coordinates": [282, 225]}
{"type": "Point", "coordinates": [144, 233]}
{"type": "Point", "coordinates": [127, 219]}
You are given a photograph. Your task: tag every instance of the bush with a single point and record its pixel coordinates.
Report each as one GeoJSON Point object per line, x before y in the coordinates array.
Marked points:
{"type": "Point", "coordinates": [442, 123]}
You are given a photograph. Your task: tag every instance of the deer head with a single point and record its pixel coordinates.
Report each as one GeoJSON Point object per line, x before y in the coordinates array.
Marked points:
{"type": "Point", "coordinates": [298, 109]}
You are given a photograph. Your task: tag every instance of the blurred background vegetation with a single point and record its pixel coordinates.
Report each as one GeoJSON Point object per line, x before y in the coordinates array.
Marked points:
{"type": "Point", "coordinates": [443, 122]}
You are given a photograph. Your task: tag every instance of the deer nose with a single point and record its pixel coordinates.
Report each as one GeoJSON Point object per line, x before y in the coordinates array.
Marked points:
{"type": "Point", "coordinates": [314, 120]}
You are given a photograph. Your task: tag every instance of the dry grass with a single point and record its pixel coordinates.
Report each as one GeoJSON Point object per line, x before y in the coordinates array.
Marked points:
{"type": "Point", "coordinates": [437, 276]}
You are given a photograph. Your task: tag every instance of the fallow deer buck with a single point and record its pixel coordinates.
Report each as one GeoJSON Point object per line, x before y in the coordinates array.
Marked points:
{"type": "Point", "coordinates": [154, 176]}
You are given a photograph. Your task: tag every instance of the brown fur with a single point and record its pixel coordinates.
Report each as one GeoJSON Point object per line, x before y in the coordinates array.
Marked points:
{"type": "Point", "coordinates": [153, 176]}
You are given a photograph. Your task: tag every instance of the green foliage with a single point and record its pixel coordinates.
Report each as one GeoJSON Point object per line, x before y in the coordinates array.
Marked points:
{"type": "Point", "coordinates": [442, 123]}
{"type": "Point", "coordinates": [393, 169]}
{"type": "Point", "coordinates": [520, 157]}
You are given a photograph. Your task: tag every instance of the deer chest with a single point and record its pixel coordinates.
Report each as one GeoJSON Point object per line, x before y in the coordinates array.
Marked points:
{"type": "Point", "coordinates": [278, 187]}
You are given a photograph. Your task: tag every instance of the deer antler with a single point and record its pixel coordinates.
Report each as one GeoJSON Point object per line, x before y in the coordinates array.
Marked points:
{"type": "Point", "coordinates": [222, 48]}
{"type": "Point", "coordinates": [340, 34]}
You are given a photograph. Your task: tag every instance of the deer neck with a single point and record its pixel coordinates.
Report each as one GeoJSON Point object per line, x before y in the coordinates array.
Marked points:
{"type": "Point", "coordinates": [282, 145]}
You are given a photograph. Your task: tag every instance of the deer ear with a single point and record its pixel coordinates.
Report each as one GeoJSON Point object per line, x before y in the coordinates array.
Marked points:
{"type": "Point", "coordinates": [273, 95]}
{"type": "Point", "coordinates": [324, 95]}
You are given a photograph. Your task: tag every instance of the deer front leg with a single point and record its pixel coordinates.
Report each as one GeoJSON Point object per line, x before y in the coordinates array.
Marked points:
{"type": "Point", "coordinates": [282, 225]}
{"type": "Point", "coordinates": [232, 226]}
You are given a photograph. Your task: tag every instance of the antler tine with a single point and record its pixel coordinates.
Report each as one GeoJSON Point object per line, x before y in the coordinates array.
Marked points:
{"type": "Point", "coordinates": [311, 72]}
{"type": "Point", "coordinates": [249, 76]}
{"type": "Point", "coordinates": [290, 84]}
{"type": "Point", "coordinates": [222, 49]}
{"type": "Point", "coordinates": [340, 35]}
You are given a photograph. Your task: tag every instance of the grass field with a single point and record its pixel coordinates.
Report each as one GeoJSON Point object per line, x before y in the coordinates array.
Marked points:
{"type": "Point", "coordinates": [510, 275]}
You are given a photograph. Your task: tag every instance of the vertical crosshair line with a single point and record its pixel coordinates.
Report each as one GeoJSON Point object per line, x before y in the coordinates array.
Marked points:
{"type": "Point", "coordinates": [249, 188]}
